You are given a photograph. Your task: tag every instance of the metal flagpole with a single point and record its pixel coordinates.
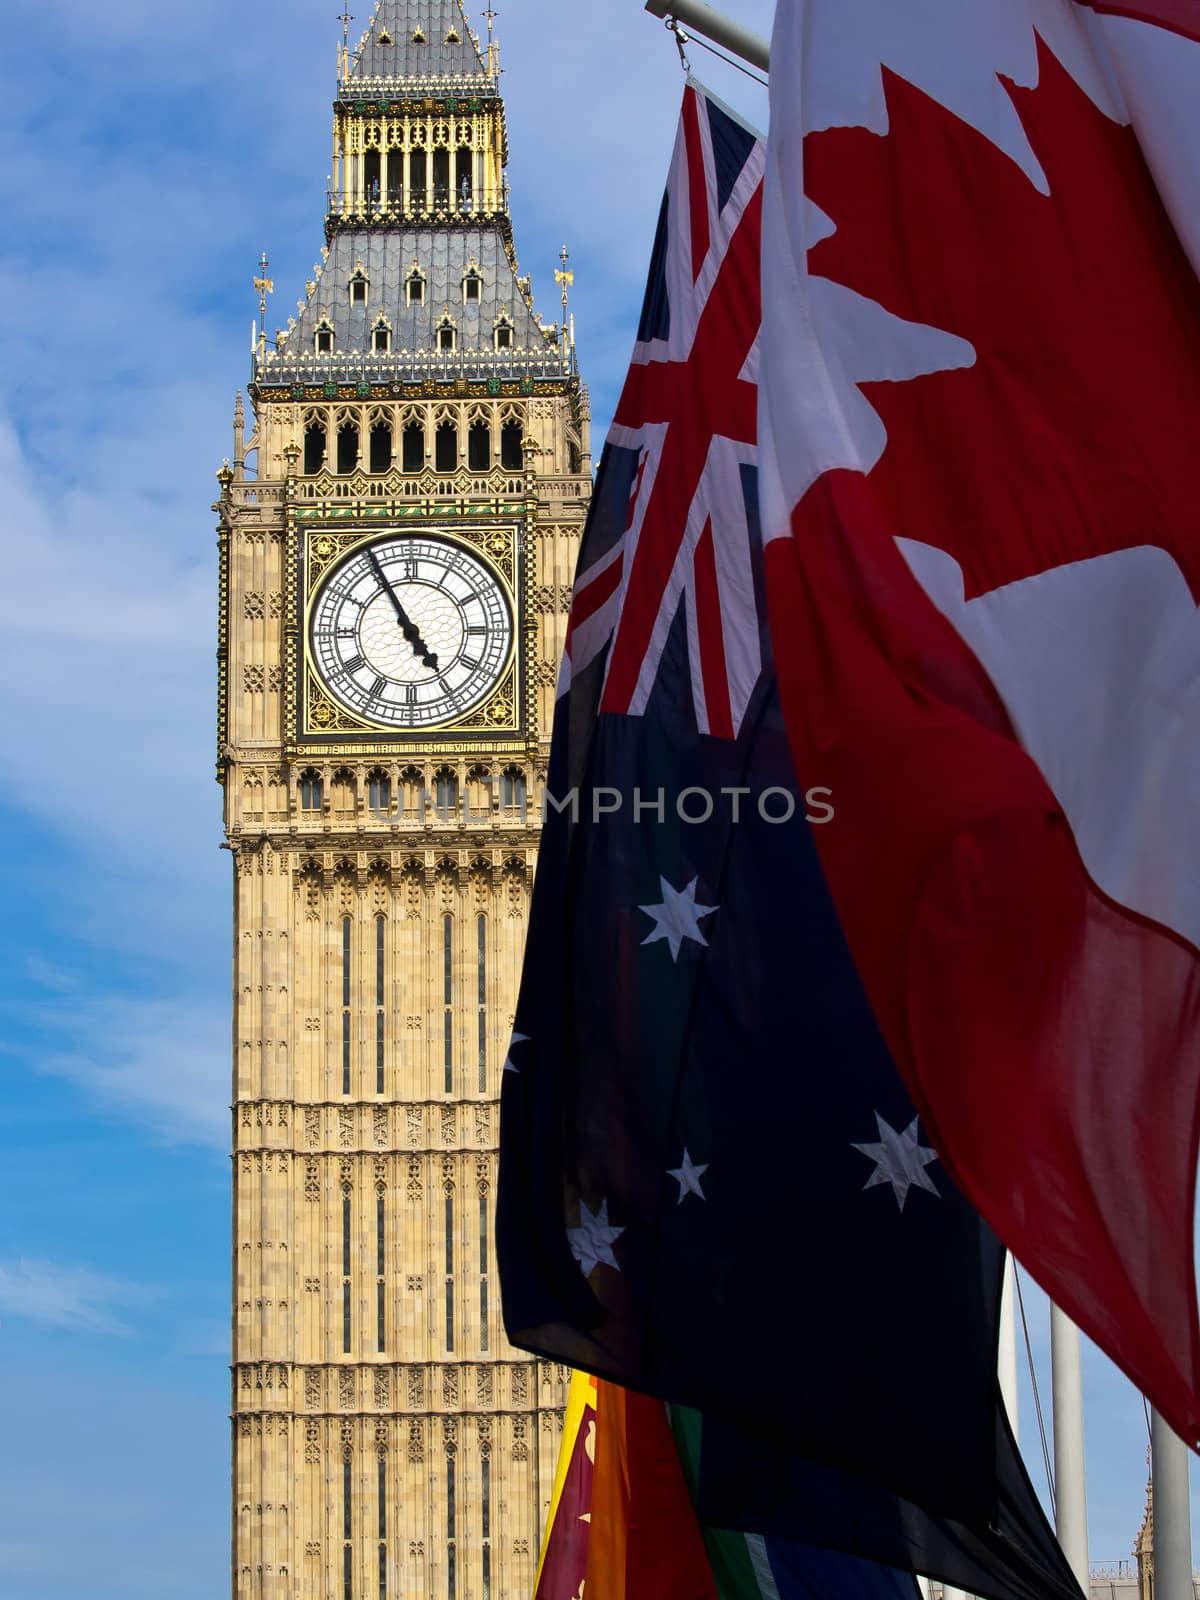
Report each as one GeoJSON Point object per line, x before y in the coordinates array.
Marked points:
{"type": "Point", "coordinates": [1008, 1344]}
{"type": "Point", "coordinates": [1070, 1484]}
{"type": "Point", "coordinates": [1172, 1513]}
{"type": "Point", "coordinates": [752, 47]}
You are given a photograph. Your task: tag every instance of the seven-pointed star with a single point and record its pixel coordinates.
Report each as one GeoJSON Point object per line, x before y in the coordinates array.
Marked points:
{"type": "Point", "coordinates": [677, 917]}
{"type": "Point", "coordinates": [592, 1241]}
{"type": "Point", "coordinates": [899, 1160]}
{"type": "Point", "coordinates": [517, 1038]}
{"type": "Point", "coordinates": [688, 1177]}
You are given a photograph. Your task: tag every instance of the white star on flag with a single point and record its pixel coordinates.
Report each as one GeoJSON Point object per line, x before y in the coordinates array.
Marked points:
{"type": "Point", "coordinates": [899, 1160]}
{"type": "Point", "coordinates": [688, 1177]}
{"type": "Point", "coordinates": [677, 917]}
{"type": "Point", "coordinates": [592, 1241]}
{"type": "Point", "coordinates": [517, 1038]}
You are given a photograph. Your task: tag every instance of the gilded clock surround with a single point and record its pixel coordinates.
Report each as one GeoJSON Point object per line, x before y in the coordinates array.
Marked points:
{"type": "Point", "coordinates": [377, 946]}
{"type": "Point", "coordinates": [502, 713]}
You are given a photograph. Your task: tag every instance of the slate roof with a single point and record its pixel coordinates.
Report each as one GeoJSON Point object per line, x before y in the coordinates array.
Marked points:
{"type": "Point", "coordinates": [439, 54]}
{"type": "Point", "coordinates": [386, 256]}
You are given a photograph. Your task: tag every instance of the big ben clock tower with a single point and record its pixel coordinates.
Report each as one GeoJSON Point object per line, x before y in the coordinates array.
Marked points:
{"type": "Point", "coordinates": [394, 585]}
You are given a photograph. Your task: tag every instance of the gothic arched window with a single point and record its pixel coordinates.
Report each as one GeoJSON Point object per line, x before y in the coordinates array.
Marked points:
{"type": "Point", "coordinates": [446, 333]}
{"type": "Point", "coordinates": [504, 334]}
{"type": "Point", "coordinates": [446, 447]}
{"type": "Point", "coordinates": [414, 446]}
{"type": "Point", "coordinates": [347, 446]}
{"type": "Point", "coordinates": [445, 793]}
{"type": "Point", "coordinates": [323, 338]}
{"type": "Point", "coordinates": [379, 790]}
{"type": "Point", "coordinates": [343, 791]}
{"type": "Point", "coordinates": [314, 446]}
{"type": "Point", "coordinates": [359, 283]}
{"type": "Point", "coordinates": [512, 790]}
{"type": "Point", "coordinates": [381, 336]}
{"type": "Point", "coordinates": [311, 790]}
{"type": "Point", "coordinates": [512, 452]}
{"type": "Point", "coordinates": [416, 286]}
{"type": "Point", "coordinates": [479, 445]}
{"type": "Point", "coordinates": [381, 445]}
{"type": "Point", "coordinates": [472, 285]}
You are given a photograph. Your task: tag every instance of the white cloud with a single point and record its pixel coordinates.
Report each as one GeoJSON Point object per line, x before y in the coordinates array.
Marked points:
{"type": "Point", "coordinates": [163, 1064]}
{"type": "Point", "coordinates": [74, 1298]}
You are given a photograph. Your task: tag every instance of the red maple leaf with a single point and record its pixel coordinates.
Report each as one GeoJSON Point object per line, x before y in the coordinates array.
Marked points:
{"type": "Point", "coordinates": [1077, 430]}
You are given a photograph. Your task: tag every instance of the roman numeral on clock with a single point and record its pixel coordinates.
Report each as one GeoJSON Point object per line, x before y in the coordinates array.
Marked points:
{"type": "Point", "coordinates": [378, 687]}
{"type": "Point", "coordinates": [353, 664]}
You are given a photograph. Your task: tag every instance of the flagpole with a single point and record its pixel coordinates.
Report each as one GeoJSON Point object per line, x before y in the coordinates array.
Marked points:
{"type": "Point", "coordinates": [1070, 1484]}
{"type": "Point", "coordinates": [1172, 1513]}
{"type": "Point", "coordinates": [751, 47]}
{"type": "Point", "coordinates": [1008, 1344]}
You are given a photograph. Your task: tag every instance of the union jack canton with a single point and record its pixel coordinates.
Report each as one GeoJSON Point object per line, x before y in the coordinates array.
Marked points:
{"type": "Point", "coordinates": [689, 411]}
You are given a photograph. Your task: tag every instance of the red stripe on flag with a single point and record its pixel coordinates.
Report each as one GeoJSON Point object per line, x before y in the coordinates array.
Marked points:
{"type": "Point", "coordinates": [1176, 16]}
{"type": "Point", "coordinates": [645, 1541]}
{"type": "Point", "coordinates": [595, 591]}
{"type": "Point", "coordinates": [713, 671]}
{"type": "Point", "coordinates": [697, 181]}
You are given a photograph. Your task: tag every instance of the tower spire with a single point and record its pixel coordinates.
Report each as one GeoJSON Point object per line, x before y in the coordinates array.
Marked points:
{"type": "Point", "coordinates": [265, 286]}
{"type": "Point", "coordinates": [565, 278]}
{"type": "Point", "coordinates": [345, 17]}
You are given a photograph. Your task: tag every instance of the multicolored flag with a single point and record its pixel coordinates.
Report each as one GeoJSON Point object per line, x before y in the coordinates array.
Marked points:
{"type": "Point", "coordinates": [628, 1527]}
{"type": "Point", "coordinates": [980, 407]}
{"type": "Point", "coordinates": [713, 1186]}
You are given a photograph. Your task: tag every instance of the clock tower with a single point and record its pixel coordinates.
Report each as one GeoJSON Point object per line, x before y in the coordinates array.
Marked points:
{"type": "Point", "coordinates": [394, 585]}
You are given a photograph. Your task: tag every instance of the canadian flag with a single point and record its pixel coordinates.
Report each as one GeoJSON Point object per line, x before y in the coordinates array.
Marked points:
{"type": "Point", "coordinates": [980, 449]}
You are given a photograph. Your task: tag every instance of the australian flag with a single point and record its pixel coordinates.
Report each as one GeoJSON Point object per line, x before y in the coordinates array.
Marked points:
{"type": "Point", "coordinates": [713, 1186]}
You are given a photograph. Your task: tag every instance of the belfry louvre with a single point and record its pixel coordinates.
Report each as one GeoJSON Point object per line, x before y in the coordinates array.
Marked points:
{"type": "Point", "coordinates": [397, 533]}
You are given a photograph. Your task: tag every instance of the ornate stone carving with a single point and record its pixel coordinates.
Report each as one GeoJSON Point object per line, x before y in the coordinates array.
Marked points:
{"type": "Point", "coordinates": [520, 1386]}
{"type": "Point", "coordinates": [483, 1386]}
{"type": "Point", "coordinates": [381, 1388]}
{"type": "Point", "coordinates": [449, 1386]}
{"type": "Point", "coordinates": [253, 604]}
{"type": "Point", "coordinates": [415, 1188]}
{"type": "Point", "coordinates": [416, 1442]}
{"type": "Point", "coordinates": [346, 1389]}
{"type": "Point", "coordinates": [253, 678]}
{"type": "Point", "coordinates": [312, 1179]}
{"type": "Point", "coordinates": [449, 1124]}
{"type": "Point", "coordinates": [414, 1124]}
{"type": "Point", "coordinates": [416, 1388]}
{"type": "Point", "coordinates": [379, 1124]}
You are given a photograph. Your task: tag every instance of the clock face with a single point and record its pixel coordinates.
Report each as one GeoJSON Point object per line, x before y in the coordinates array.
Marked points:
{"type": "Point", "coordinates": [411, 632]}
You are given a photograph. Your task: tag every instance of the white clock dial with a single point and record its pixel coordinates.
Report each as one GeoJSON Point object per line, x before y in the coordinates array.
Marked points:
{"type": "Point", "coordinates": [411, 632]}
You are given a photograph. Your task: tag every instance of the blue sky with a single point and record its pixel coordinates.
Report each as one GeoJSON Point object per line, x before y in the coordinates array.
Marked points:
{"type": "Point", "coordinates": [152, 152]}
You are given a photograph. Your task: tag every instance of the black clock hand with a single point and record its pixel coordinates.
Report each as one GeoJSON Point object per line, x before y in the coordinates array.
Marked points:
{"type": "Point", "coordinates": [411, 632]}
